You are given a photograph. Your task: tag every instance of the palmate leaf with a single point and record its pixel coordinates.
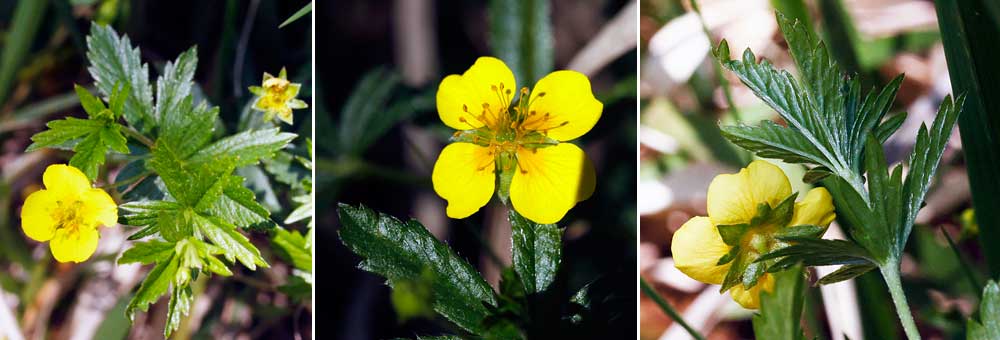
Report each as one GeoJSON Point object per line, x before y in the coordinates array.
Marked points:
{"type": "Point", "coordinates": [781, 309]}
{"type": "Point", "coordinates": [401, 251]}
{"type": "Point", "coordinates": [114, 61]}
{"type": "Point", "coordinates": [293, 247]}
{"type": "Point", "coordinates": [537, 252]}
{"type": "Point", "coordinates": [989, 314]}
{"type": "Point", "coordinates": [91, 138]}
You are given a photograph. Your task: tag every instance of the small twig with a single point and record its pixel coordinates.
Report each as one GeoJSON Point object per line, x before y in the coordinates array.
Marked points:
{"type": "Point", "coordinates": [669, 310]}
{"type": "Point", "coordinates": [131, 132]}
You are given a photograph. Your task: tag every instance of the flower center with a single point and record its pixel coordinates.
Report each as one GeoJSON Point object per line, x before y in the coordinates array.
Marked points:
{"type": "Point", "coordinates": [69, 215]}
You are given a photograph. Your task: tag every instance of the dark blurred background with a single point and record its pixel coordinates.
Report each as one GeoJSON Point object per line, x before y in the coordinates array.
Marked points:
{"type": "Point", "coordinates": [384, 59]}
{"type": "Point", "coordinates": [237, 42]}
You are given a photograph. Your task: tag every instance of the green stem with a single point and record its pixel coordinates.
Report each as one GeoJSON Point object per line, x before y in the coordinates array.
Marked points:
{"type": "Point", "coordinates": [138, 136]}
{"type": "Point", "coordinates": [890, 273]}
{"type": "Point", "coordinates": [720, 76]}
{"type": "Point", "coordinates": [665, 306]}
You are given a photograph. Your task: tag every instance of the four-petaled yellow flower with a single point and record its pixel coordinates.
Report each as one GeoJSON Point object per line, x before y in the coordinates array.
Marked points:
{"type": "Point", "coordinates": [736, 199]}
{"type": "Point", "coordinates": [276, 96]}
{"type": "Point", "coordinates": [67, 213]}
{"type": "Point", "coordinates": [521, 147]}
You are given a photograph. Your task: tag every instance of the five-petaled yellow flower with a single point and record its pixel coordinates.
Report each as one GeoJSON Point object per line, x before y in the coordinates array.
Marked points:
{"type": "Point", "coordinates": [67, 213]}
{"type": "Point", "coordinates": [518, 147]}
{"type": "Point", "coordinates": [276, 96]}
{"type": "Point", "coordinates": [735, 199]}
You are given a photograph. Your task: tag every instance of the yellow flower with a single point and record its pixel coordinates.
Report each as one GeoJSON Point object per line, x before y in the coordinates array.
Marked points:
{"type": "Point", "coordinates": [276, 96]}
{"type": "Point", "coordinates": [520, 147]}
{"type": "Point", "coordinates": [67, 213]}
{"type": "Point", "coordinates": [751, 202]}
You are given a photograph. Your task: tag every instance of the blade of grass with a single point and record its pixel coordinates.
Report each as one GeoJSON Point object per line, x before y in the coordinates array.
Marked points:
{"type": "Point", "coordinates": [669, 310]}
{"type": "Point", "coordinates": [24, 26]}
{"type": "Point", "coordinates": [299, 14]}
{"type": "Point", "coordinates": [966, 268]}
{"type": "Point", "coordinates": [30, 113]}
{"type": "Point", "coordinates": [971, 33]}
{"type": "Point", "coordinates": [841, 35]}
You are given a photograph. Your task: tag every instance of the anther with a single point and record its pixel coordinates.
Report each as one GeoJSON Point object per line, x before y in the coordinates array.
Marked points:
{"type": "Point", "coordinates": [494, 87]}
{"type": "Point", "coordinates": [465, 108]}
{"type": "Point", "coordinates": [541, 94]}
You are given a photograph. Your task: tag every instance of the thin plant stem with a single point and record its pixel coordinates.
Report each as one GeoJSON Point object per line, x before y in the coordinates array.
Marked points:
{"type": "Point", "coordinates": [665, 306]}
{"type": "Point", "coordinates": [128, 130]}
{"type": "Point", "coordinates": [890, 273]}
{"type": "Point", "coordinates": [973, 281]}
{"type": "Point", "coordinates": [723, 82]}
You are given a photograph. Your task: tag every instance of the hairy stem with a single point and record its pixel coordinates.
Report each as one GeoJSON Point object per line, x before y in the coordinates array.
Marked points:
{"type": "Point", "coordinates": [890, 273]}
{"type": "Point", "coordinates": [128, 130]}
{"type": "Point", "coordinates": [665, 306]}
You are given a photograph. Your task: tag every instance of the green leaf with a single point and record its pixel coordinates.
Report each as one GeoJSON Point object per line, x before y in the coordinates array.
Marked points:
{"type": "Point", "coordinates": [521, 36]}
{"type": "Point", "coordinates": [374, 106]}
{"type": "Point", "coordinates": [924, 161]}
{"type": "Point", "coordinates": [246, 147]}
{"type": "Point", "coordinates": [186, 180]}
{"type": "Point", "coordinates": [91, 104]}
{"type": "Point", "coordinates": [298, 14]}
{"type": "Point", "coordinates": [64, 131]}
{"type": "Point", "coordinates": [815, 252]}
{"type": "Point", "coordinates": [970, 32]}
{"type": "Point", "coordinates": [177, 309]}
{"type": "Point", "coordinates": [224, 235]}
{"type": "Point", "coordinates": [186, 127]}
{"type": "Point", "coordinates": [989, 313]}
{"type": "Point", "coordinates": [401, 251]}
{"type": "Point", "coordinates": [770, 140]}
{"type": "Point", "coordinates": [889, 127]}
{"type": "Point", "coordinates": [238, 205]}
{"type": "Point", "coordinates": [147, 252]}
{"type": "Point", "coordinates": [156, 283]}
{"type": "Point", "coordinates": [846, 272]}
{"type": "Point", "coordinates": [781, 309]}
{"type": "Point", "coordinates": [537, 252]}
{"type": "Point", "coordinates": [303, 211]}
{"type": "Point", "coordinates": [293, 247]}
{"type": "Point", "coordinates": [114, 61]}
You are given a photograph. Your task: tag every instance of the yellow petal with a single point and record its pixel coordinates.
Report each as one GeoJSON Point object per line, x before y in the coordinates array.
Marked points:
{"type": "Point", "coordinates": [750, 298]}
{"type": "Point", "coordinates": [563, 106]}
{"type": "Point", "coordinates": [549, 181]}
{"type": "Point", "coordinates": [65, 180]}
{"type": "Point", "coordinates": [74, 244]}
{"type": "Point", "coordinates": [99, 207]}
{"type": "Point", "coordinates": [733, 198]}
{"type": "Point", "coordinates": [461, 97]}
{"type": "Point", "coordinates": [816, 208]}
{"type": "Point", "coordinates": [463, 175]}
{"type": "Point", "coordinates": [36, 215]}
{"type": "Point", "coordinates": [696, 248]}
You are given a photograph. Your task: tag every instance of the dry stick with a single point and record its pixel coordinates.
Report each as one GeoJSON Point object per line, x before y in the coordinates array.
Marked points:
{"type": "Point", "coordinates": [665, 306]}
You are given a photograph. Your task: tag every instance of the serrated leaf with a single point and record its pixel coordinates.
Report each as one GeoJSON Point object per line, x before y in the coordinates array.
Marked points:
{"type": "Point", "coordinates": [246, 147]}
{"type": "Point", "coordinates": [815, 252]}
{"type": "Point", "coordinates": [91, 104]}
{"type": "Point", "coordinates": [293, 247]}
{"type": "Point", "coordinates": [846, 272]}
{"type": "Point", "coordinates": [400, 251]}
{"type": "Point", "coordinates": [537, 252]}
{"type": "Point", "coordinates": [177, 309]}
{"type": "Point", "coordinates": [186, 180]}
{"type": "Point", "coordinates": [989, 314]}
{"type": "Point", "coordinates": [182, 124]}
{"type": "Point", "coordinates": [236, 247]}
{"type": "Point", "coordinates": [114, 61]}
{"type": "Point", "coordinates": [889, 127]}
{"type": "Point", "coordinates": [145, 213]}
{"type": "Point", "coordinates": [62, 131]}
{"type": "Point", "coordinates": [770, 140]}
{"type": "Point", "coordinates": [238, 205]}
{"type": "Point", "coordinates": [781, 309]}
{"type": "Point", "coordinates": [147, 252]}
{"type": "Point", "coordinates": [304, 211]}
{"type": "Point", "coordinates": [156, 283]}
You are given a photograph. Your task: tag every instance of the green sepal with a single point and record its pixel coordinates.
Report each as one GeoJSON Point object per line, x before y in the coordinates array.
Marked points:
{"type": "Point", "coordinates": [506, 165]}
{"type": "Point", "coordinates": [730, 256]}
{"type": "Point", "coordinates": [777, 216]}
{"type": "Point", "coordinates": [481, 136]}
{"type": "Point", "coordinates": [732, 233]}
{"type": "Point", "coordinates": [535, 139]}
{"type": "Point", "coordinates": [805, 230]}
